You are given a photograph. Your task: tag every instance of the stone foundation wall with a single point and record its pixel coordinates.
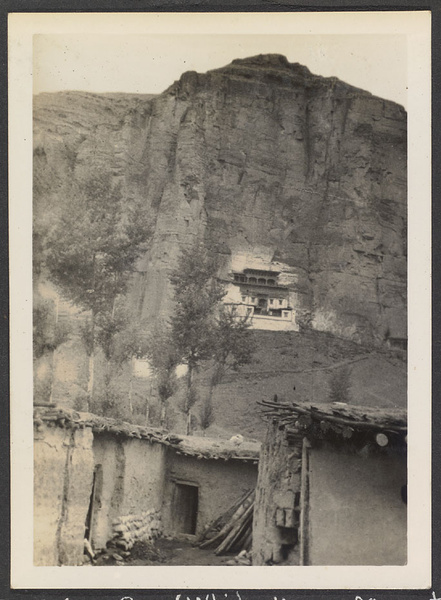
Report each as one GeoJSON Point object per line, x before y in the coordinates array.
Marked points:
{"type": "Point", "coordinates": [129, 529]}
{"type": "Point", "coordinates": [277, 507]}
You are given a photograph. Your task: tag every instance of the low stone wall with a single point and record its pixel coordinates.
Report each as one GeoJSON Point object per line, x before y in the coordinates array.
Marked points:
{"type": "Point", "coordinates": [129, 529]}
{"type": "Point", "coordinates": [276, 519]}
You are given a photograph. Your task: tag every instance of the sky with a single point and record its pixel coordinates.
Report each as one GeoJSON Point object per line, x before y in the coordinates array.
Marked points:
{"type": "Point", "coordinates": [150, 63]}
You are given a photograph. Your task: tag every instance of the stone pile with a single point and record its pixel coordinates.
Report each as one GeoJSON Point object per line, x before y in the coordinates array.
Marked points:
{"type": "Point", "coordinates": [142, 527]}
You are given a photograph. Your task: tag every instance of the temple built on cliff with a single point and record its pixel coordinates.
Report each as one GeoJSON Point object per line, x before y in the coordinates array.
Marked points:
{"type": "Point", "coordinates": [258, 295]}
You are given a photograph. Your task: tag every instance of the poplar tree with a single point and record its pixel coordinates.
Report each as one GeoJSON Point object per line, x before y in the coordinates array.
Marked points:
{"type": "Point", "coordinates": [234, 347]}
{"type": "Point", "coordinates": [197, 293]}
{"type": "Point", "coordinates": [201, 329]}
{"type": "Point", "coordinates": [91, 250]}
{"type": "Point", "coordinates": [163, 359]}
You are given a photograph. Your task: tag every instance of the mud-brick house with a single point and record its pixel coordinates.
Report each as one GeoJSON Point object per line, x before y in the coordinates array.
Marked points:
{"type": "Point", "coordinates": [332, 486]}
{"type": "Point", "coordinates": [101, 479]}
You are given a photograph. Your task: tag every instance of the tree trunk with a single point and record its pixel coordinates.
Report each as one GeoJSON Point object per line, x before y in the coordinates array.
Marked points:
{"type": "Point", "coordinates": [189, 399]}
{"type": "Point", "coordinates": [188, 424]}
{"type": "Point", "coordinates": [53, 355]}
{"type": "Point", "coordinates": [163, 413]}
{"type": "Point", "coordinates": [132, 361]}
{"type": "Point", "coordinates": [90, 380]}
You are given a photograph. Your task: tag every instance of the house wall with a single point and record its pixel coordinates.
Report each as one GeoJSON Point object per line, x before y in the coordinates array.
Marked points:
{"type": "Point", "coordinates": [233, 298]}
{"type": "Point", "coordinates": [276, 509]}
{"type": "Point", "coordinates": [269, 323]}
{"type": "Point", "coordinates": [133, 488]}
{"type": "Point", "coordinates": [63, 470]}
{"type": "Point", "coordinates": [356, 513]}
{"type": "Point", "coordinates": [220, 484]}
{"type": "Point", "coordinates": [133, 482]}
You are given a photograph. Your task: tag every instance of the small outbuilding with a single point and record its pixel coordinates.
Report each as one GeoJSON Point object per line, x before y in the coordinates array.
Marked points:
{"type": "Point", "coordinates": [102, 480]}
{"type": "Point", "coordinates": [332, 486]}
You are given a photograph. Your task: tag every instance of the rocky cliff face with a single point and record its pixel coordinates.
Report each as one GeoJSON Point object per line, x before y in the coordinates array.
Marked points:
{"type": "Point", "coordinates": [274, 168]}
{"type": "Point", "coordinates": [268, 163]}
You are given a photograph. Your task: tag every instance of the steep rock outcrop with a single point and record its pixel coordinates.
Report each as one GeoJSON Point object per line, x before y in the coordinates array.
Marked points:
{"type": "Point", "coordinates": [274, 167]}
{"type": "Point", "coordinates": [265, 161]}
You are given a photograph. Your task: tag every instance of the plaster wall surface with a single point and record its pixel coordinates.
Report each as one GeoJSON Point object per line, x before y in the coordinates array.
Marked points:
{"type": "Point", "coordinates": [144, 477]}
{"type": "Point", "coordinates": [275, 323]}
{"type": "Point", "coordinates": [62, 481]}
{"type": "Point", "coordinates": [133, 475]}
{"type": "Point", "coordinates": [109, 453]}
{"type": "Point", "coordinates": [220, 484]}
{"type": "Point", "coordinates": [357, 516]}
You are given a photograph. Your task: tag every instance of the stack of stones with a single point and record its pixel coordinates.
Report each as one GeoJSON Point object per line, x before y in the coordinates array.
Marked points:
{"type": "Point", "coordinates": [142, 527]}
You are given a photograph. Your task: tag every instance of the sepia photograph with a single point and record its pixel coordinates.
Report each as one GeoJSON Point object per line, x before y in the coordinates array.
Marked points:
{"type": "Point", "coordinates": [220, 291]}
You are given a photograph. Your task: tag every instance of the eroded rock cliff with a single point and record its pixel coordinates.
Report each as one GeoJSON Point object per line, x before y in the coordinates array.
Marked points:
{"type": "Point", "coordinates": [266, 162]}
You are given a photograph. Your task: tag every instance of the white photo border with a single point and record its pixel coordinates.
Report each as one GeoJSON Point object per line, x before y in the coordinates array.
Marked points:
{"type": "Point", "coordinates": [415, 25]}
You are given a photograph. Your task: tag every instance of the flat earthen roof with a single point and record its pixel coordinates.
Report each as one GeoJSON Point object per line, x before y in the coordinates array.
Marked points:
{"type": "Point", "coordinates": [195, 446]}
{"type": "Point", "coordinates": [343, 419]}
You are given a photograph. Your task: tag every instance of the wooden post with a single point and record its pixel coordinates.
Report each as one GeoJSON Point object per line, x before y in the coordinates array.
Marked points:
{"type": "Point", "coordinates": [304, 503]}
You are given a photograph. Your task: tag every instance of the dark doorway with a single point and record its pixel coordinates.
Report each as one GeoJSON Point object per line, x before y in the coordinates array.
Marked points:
{"type": "Point", "coordinates": [94, 502]}
{"type": "Point", "coordinates": [186, 502]}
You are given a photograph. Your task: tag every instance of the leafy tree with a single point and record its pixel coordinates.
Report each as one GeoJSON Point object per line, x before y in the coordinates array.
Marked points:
{"type": "Point", "coordinates": [340, 385]}
{"type": "Point", "coordinates": [193, 327]}
{"type": "Point", "coordinates": [163, 359]}
{"type": "Point", "coordinates": [91, 249]}
{"type": "Point", "coordinates": [202, 329]}
{"type": "Point", "coordinates": [233, 348]}
{"type": "Point", "coordinates": [121, 339]}
{"type": "Point", "coordinates": [48, 334]}
{"type": "Point", "coordinates": [95, 242]}
{"type": "Point", "coordinates": [206, 413]}
{"type": "Point", "coordinates": [234, 345]}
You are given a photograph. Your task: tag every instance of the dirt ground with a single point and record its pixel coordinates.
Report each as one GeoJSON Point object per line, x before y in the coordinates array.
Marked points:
{"type": "Point", "coordinates": [167, 552]}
